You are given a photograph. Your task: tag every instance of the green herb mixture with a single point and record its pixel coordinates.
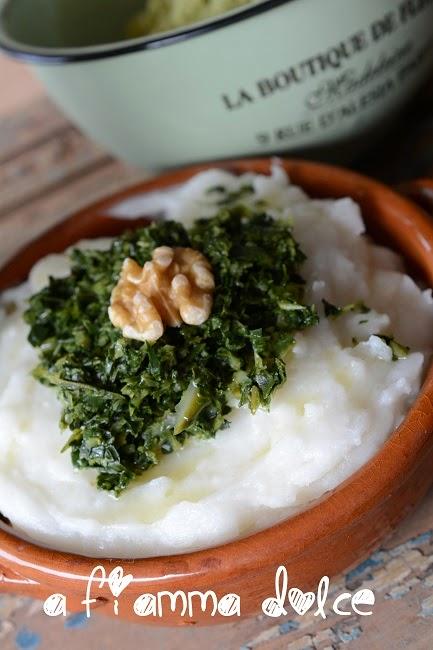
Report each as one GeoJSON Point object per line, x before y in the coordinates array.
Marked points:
{"type": "Point", "coordinates": [165, 15]}
{"type": "Point", "coordinates": [333, 312]}
{"type": "Point", "coordinates": [126, 402]}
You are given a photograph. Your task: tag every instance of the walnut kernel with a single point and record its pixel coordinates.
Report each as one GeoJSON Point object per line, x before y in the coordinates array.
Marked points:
{"type": "Point", "coordinates": [175, 287]}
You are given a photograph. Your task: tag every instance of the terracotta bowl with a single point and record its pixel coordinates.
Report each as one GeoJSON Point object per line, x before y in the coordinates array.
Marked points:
{"type": "Point", "coordinates": [334, 534]}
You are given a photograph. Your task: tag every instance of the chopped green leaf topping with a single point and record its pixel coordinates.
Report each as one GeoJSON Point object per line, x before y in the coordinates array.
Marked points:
{"type": "Point", "coordinates": [126, 402]}
{"type": "Point", "coordinates": [332, 311]}
{"type": "Point", "coordinates": [226, 197]}
{"type": "Point", "coordinates": [399, 351]}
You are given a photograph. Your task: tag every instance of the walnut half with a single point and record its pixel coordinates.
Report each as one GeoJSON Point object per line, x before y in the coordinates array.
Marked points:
{"type": "Point", "coordinates": [175, 287]}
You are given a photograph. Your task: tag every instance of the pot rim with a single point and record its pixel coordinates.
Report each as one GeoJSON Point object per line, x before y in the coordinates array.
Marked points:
{"type": "Point", "coordinates": [396, 460]}
{"type": "Point", "coordinates": [37, 55]}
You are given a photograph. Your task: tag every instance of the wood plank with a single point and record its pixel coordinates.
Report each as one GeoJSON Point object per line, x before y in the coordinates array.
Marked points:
{"type": "Point", "coordinates": [23, 224]}
{"type": "Point", "coordinates": [22, 86]}
{"type": "Point", "coordinates": [30, 126]}
{"type": "Point", "coordinates": [43, 168]}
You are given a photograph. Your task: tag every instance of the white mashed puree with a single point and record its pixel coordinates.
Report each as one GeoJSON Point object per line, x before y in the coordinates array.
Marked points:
{"type": "Point", "coordinates": [339, 404]}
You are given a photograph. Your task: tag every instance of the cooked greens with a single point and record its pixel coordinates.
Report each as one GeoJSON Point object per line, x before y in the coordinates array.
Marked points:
{"type": "Point", "coordinates": [398, 350]}
{"type": "Point", "coordinates": [125, 402]}
{"type": "Point", "coordinates": [332, 311]}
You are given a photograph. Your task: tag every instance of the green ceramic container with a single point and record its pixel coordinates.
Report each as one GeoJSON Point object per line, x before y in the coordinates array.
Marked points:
{"type": "Point", "coordinates": [279, 75]}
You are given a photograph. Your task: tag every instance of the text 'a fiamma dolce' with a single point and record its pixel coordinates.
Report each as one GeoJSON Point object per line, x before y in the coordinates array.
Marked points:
{"type": "Point", "coordinates": [189, 604]}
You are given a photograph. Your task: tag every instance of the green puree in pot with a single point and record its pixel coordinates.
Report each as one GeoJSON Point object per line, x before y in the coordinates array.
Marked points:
{"type": "Point", "coordinates": [165, 15]}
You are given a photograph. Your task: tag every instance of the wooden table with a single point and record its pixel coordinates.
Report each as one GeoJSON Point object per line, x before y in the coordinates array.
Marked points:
{"type": "Point", "coordinates": [47, 170]}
